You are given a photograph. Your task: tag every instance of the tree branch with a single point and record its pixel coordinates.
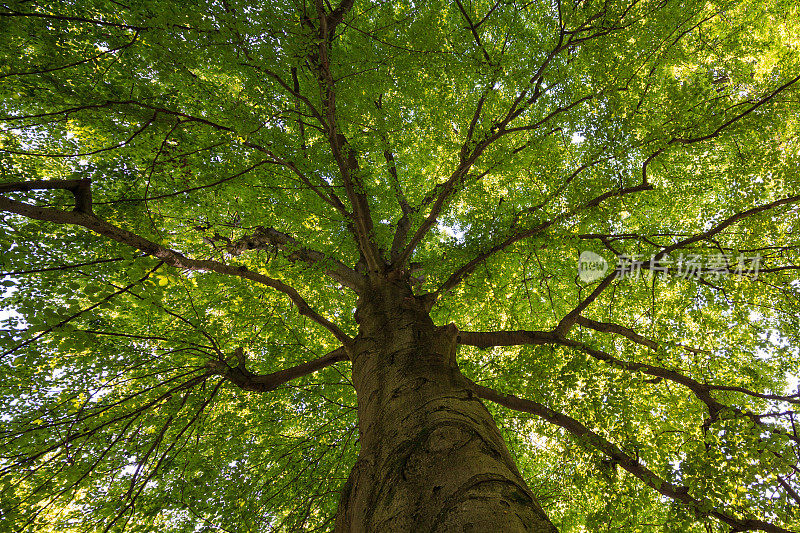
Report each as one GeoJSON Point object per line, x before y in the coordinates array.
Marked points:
{"type": "Point", "coordinates": [571, 318]}
{"type": "Point", "coordinates": [608, 327]}
{"type": "Point", "coordinates": [726, 223]}
{"type": "Point", "coordinates": [337, 15]}
{"type": "Point", "coordinates": [80, 189]}
{"type": "Point", "coordinates": [343, 152]}
{"type": "Point", "coordinates": [568, 321]}
{"type": "Point", "coordinates": [701, 391]}
{"type": "Point", "coordinates": [474, 29]}
{"type": "Point", "coordinates": [486, 339]}
{"type": "Point", "coordinates": [469, 153]}
{"type": "Point", "coordinates": [246, 380]}
{"type": "Point", "coordinates": [729, 122]}
{"type": "Point", "coordinates": [470, 266]}
{"type": "Point", "coordinates": [168, 256]}
{"type": "Point", "coordinates": [72, 19]}
{"type": "Point", "coordinates": [265, 238]}
{"type": "Point", "coordinates": [110, 51]}
{"type": "Point", "coordinates": [648, 477]}
{"type": "Point", "coordinates": [404, 224]}
{"type": "Point", "coordinates": [323, 190]}
{"type": "Point", "coordinates": [73, 316]}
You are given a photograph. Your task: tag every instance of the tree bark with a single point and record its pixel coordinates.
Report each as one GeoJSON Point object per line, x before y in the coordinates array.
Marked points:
{"type": "Point", "coordinates": [431, 456]}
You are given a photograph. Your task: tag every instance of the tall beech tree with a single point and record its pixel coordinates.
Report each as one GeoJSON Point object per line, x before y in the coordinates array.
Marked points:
{"type": "Point", "coordinates": [313, 266]}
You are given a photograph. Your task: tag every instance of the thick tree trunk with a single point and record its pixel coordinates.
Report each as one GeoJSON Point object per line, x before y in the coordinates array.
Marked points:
{"type": "Point", "coordinates": [431, 458]}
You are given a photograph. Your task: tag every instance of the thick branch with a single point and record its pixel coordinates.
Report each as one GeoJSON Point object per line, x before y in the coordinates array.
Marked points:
{"type": "Point", "coordinates": [701, 391]}
{"type": "Point", "coordinates": [168, 256]}
{"type": "Point", "coordinates": [337, 15]}
{"type": "Point", "coordinates": [609, 327]}
{"type": "Point", "coordinates": [447, 189]}
{"type": "Point", "coordinates": [80, 189]}
{"type": "Point", "coordinates": [343, 152]}
{"type": "Point", "coordinates": [246, 380]}
{"type": "Point", "coordinates": [486, 339]}
{"type": "Point", "coordinates": [647, 476]}
{"type": "Point", "coordinates": [404, 224]}
{"type": "Point", "coordinates": [265, 238]}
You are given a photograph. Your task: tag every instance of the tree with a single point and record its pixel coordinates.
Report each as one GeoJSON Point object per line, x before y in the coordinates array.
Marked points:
{"type": "Point", "coordinates": [285, 266]}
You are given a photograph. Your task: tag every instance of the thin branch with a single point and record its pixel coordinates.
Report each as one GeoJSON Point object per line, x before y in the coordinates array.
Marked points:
{"type": "Point", "coordinates": [81, 312]}
{"type": "Point", "coordinates": [64, 267]}
{"type": "Point", "coordinates": [459, 275]}
{"type": "Point", "coordinates": [73, 19]}
{"type": "Point", "coordinates": [571, 318]}
{"type": "Point", "coordinates": [195, 188]}
{"type": "Point", "coordinates": [322, 189]}
{"type": "Point", "coordinates": [474, 29]}
{"type": "Point", "coordinates": [404, 224]}
{"type": "Point", "coordinates": [726, 223]}
{"type": "Point", "coordinates": [736, 118]}
{"type": "Point", "coordinates": [111, 103]}
{"type": "Point", "coordinates": [75, 63]}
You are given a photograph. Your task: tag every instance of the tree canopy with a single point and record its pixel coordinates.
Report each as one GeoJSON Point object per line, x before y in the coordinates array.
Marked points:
{"type": "Point", "coordinates": [192, 195]}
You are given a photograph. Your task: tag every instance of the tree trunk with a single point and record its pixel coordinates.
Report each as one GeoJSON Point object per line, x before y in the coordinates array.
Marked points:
{"type": "Point", "coordinates": [431, 456]}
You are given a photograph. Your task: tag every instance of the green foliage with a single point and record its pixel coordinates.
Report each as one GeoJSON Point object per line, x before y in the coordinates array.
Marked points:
{"type": "Point", "coordinates": [195, 122]}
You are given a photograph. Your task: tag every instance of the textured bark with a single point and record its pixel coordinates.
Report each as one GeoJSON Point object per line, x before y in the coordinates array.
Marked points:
{"type": "Point", "coordinates": [431, 456]}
